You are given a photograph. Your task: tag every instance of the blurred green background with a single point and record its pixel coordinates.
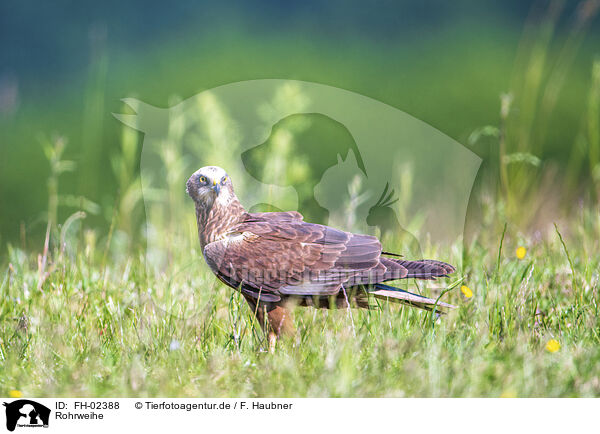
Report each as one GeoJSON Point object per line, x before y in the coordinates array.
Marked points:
{"type": "Point", "coordinates": [65, 66]}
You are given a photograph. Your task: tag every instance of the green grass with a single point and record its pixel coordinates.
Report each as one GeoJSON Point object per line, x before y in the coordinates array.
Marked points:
{"type": "Point", "coordinates": [82, 315]}
{"type": "Point", "coordinates": [101, 325]}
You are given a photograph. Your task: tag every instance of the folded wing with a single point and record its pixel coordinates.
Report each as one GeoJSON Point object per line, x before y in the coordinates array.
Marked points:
{"type": "Point", "coordinates": [278, 253]}
{"type": "Point", "coordinates": [270, 255]}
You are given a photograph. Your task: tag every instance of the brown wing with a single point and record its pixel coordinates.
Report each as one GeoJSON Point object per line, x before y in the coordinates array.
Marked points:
{"type": "Point", "coordinates": [272, 256]}
{"type": "Point", "coordinates": [271, 216]}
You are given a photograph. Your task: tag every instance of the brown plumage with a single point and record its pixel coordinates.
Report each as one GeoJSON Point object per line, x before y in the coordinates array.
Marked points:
{"type": "Point", "coordinates": [277, 258]}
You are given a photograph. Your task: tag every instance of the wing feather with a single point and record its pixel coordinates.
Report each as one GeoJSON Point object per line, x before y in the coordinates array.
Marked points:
{"type": "Point", "coordinates": [289, 256]}
{"type": "Point", "coordinates": [272, 254]}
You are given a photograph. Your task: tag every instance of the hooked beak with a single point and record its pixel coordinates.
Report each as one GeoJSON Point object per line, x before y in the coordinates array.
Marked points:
{"type": "Point", "coordinates": [216, 187]}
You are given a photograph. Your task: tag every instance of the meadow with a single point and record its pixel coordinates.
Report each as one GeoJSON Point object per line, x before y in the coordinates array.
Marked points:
{"type": "Point", "coordinates": [84, 310]}
{"type": "Point", "coordinates": [84, 315]}
{"type": "Point", "coordinates": [90, 325]}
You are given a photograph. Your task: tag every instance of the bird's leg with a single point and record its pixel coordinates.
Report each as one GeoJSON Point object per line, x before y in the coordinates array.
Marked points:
{"type": "Point", "coordinates": [281, 321]}
{"type": "Point", "coordinates": [275, 319]}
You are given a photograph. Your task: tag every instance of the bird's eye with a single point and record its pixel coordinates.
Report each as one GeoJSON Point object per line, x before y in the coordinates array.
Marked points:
{"type": "Point", "coordinates": [202, 179]}
{"type": "Point", "coordinates": [223, 180]}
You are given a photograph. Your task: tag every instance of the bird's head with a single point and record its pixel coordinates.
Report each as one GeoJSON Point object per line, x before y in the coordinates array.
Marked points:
{"type": "Point", "coordinates": [208, 185]}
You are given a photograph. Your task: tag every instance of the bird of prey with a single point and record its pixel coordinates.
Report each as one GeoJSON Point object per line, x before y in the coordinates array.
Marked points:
{"type": "Point", "coordinates": [276, 258]}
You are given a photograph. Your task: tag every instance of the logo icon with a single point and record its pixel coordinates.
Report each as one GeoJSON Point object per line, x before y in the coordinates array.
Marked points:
{"type": "Point", "coordinates": [339, 158]}
{"type": "Point", "coordinates": [294, 145]}
{"type": "Point", "coordinates": [26, 413]}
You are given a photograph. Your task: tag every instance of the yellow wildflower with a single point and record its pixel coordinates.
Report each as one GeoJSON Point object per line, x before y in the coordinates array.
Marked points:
{"type": "Point", "coordinates": [508, 394]}
{"type": "Point", "coordinates": [466, 291]}
{"type": "Point", "coordinates": [15, 394]}
{"type": "Point", "coordinates": [521, 252]}
{"type": "Point", "coordinates": [553, 346]}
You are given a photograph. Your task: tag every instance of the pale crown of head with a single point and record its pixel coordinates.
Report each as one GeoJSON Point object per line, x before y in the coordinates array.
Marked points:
{"type": "Point", "coordinates": [208, 185]}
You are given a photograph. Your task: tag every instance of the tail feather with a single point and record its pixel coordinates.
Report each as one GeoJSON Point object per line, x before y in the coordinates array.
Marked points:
{"type": "Point", "coordinates": [398, 295]}
{"type": "Point", "coordinates": [426, 269]}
